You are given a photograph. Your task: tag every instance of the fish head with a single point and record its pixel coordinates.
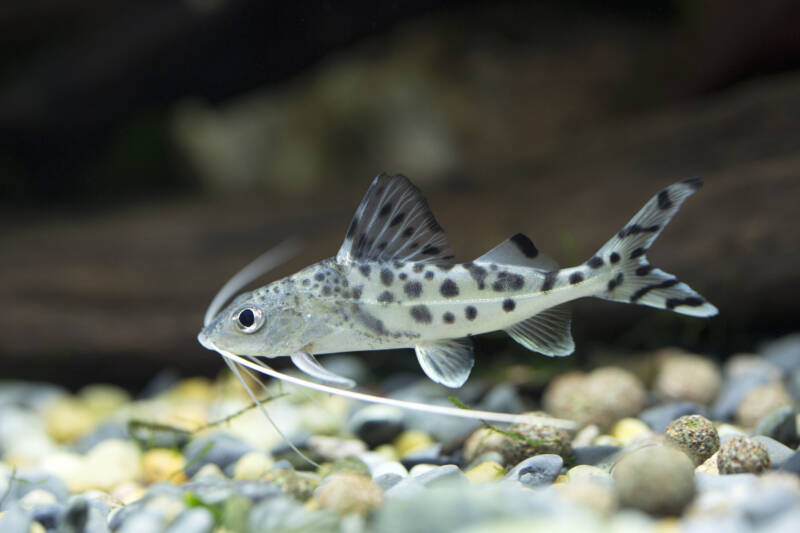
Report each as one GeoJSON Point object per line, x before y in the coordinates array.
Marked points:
{"type": "Point", "coordinates": [258, 323]}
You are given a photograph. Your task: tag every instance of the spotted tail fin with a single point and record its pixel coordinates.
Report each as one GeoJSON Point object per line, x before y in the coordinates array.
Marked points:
{"type": "Point", "coordinates": [632, 279]}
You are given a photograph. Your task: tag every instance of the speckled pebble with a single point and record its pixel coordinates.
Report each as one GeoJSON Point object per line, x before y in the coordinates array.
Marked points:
{"type": "Point", "coordinates": [695, 436]}
{"type": "Point", "coordinates": [655, 479]}
{"type": "Point", "coordinates": [742, 455]}
{"type": "Point", "coordinates": [522, 440]}
{"type": "Point", "coordinates": [778, 452]}
{"type": "Point", "coordinates": [346, 493]}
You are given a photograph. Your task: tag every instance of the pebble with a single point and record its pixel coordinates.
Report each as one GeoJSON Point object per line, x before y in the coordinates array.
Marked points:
{"type": "Point", "coordinates": [627, 429]}
{"type": "Point", "coordinates": [194, 520]}
{"type": "Point", "coordinates": [333, 448]}
{"type": "Point", "coordinates": [377, 424]}
{"type": "Point", "coordinates": [589, 473]}
{"type": "Point", "coordinates": [160, 464]}
{"type": "Point", "coordinates": [350, 464]}
{"type": "Point", "coordinates": [111, 463]}
{"type": "Point", "coordinates": [486, 472]}
{"type": "Point", "coordinates": [389, 467]}
{"type": "Point", "coordinates": [792, 464]}
{"type": "Point", "coordinates": [301, 485]}
{"type": "Point", "coordinates": [15, 520]}
{"type": "Point", "coordinates": [686, 377]}
{"type": "Point", "coordinates": [778, 452]}
{"type": "Point", "coordinates": [709, 466]}
{"type": "Point", "coordinates": [68, 419]}
{"type": "Point", "coordinates": [733, 392]}
{"type": "Point", "coordinates": [596, 455]}
{"type": "Point", "coordinates": [601, 397]}
{"type": "Point", "coordinates": [483, 441]}
{"type": "Point", "coordinates": [784, 352]}
{"type": "Point", "coordinates": [47, 514]}
{"type": "Point", "coordinates": [346, 493]}
{"type": "Point", "coordinates": [522, 440]}
{"type": "Point", "coordinates": [760, 401]}
{"type": "Point", "coordinates": [537, 471]}
{"type": "Point", "coordinates": [411, 441]}
{"type": "Point", "coordinates": [441, 475]}
{"type": "Point", "coordinates": [585, 436]}
{"type": "Point", "coordinates": [655, 479]}
{"type": "Point", "coordinates": [695, 436]}
{"type": "Point", "coordinates": [658, 417]}
{"type": "Point", "coordinates": [220, 449]}
{"type": "Point", "coordinates": [780, 424]}
{"type": "Point", "coordinates": [252, 465]}
{"type": "Point", "coordinates": [599, 497]}
{"type": "Point", "coordinates": [742, 455]}
{"type": "Point", "coordinates": [387, 480]}
{"type": "Point", "coordinates": [103, 399]}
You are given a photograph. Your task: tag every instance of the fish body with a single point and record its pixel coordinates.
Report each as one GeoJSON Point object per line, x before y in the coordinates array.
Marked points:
{"type": "Point", "coordinates": [393, 285]}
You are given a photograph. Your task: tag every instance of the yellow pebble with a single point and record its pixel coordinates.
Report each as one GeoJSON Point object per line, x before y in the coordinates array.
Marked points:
{"type": "Point", "coordinates": [252, 466]}
{"type": "Point", "coordinates": [387, 451]}
{"type": "Point", "coordinates": [68, 419]}
{"type": "Point", "coordinates": [606, 440]}
{"type": "Point", "coordinates": [102, 399]}
{"type": "Point", "coordinates": [161, 464]}
{"type": "Point", "coordinates": [411, 440]}
{"type": "Point", "coordinates": [628, 429]}
{"type": "Point", "coordinates": [197, 389]}
{"type": "Point", "coordinates": [668, 525]}
{"type": "Point", "coordinates": [486, 472]}
{"type": "Point", "coordinates": [561, 479]}
{"type": "Point", "coordinates": [36, 527]}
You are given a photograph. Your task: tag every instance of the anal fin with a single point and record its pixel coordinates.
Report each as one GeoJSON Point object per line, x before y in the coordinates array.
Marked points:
{"type": "Point", "coordinates": [547, 332]}
{"type": "Point", "coordinates": [307, 363]}
{"type": "Point", "coordinates": [447, 361]}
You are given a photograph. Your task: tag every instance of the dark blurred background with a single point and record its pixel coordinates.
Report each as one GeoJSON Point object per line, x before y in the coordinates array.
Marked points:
{"type": "Point", "coordinates": [151, 148]}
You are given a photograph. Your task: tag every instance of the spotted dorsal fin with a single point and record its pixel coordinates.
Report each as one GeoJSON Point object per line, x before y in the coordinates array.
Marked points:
{"type": "Point", "coordinates": [394, 223]}
{"type": "Point", "coordinates": [518, 250]}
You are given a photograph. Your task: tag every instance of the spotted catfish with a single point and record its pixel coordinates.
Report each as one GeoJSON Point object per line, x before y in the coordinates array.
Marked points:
{"type": "Point", "coordinates": [393, 285]}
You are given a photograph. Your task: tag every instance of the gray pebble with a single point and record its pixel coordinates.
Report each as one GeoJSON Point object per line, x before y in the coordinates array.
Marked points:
{"type": "Point", "coordinates": [733, 392]}
{"type": "Point", "coordinates": [791, 464]}
{"type": "Point", "coordinates": [778, 453]}
{"type": "Point", "coordinates": [256, 491]}
{"type": "Point", "coordinates": [121, 515]}
{"type": "Point", "coordinates": [405, 488]}
{"type": "Point", "coordinates": [784, 352]}
{"type": "Point", "coordinates": [47, 514]}
{"type": "Point", "coordinates": [210, 490]}
{"type": "Point", "coordinates": [503, 398]}
{"type": "Point", "coordinates": [767, 503]}
{"type": "Point", "coordinates": [109, 430]}
{"type": "Point", "coordinates": [659, 416]}
{"type": "Point", "coordinates": [734, 523]}
{"type": "Point", "coordinates": [75, 516]}
{"type": "Point", "coordinates": [194, 520]}
{"type": "Point", "coordinates": [387, 480]}
{"type": "Point", "coordinates": [285, 514]}
{"type": "Point", "coordinates": [537, 471]}
{"type": "Point", "coordinates": [28, 480]}
{"type": "Point", "coordinates": [780, 424]}
{"type": "Point", "coordinates": [784, 523]}
{"type": "Point", "coordinates": [15, 520]}
{"type": "Point", "coordinates": [143, 520]}
{"type": "Point", "coordinates": [596, 455]}
{"type": "Point", "coordinates": [224, 451]}
{"type": "Point", "coordinates": [706, 482]}
{"type": "Point", "coordinates": [441, 475]}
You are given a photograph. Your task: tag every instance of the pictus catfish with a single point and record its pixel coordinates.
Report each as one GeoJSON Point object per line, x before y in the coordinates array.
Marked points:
{"type": "Point", "coordinates": [393, 284]}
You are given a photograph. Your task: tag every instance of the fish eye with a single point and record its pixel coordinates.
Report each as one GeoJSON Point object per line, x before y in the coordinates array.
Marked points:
{"type": "Point", "coordinates": [248, 319]}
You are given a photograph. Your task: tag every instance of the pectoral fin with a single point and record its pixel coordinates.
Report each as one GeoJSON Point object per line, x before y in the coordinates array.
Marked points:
{"type": "Point", "coordinates": [308, 364]}
{"type": "Point", "coordinates": [448, 362]}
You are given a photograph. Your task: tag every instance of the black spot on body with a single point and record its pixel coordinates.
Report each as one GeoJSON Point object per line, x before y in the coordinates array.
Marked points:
{"type": "Point", "coordinates": [429, 275]}
{"type": "Point", "coordinates": [477, 273]}
{"type": "Point", "coordinates": [595, 262]}
{"type": "Point", "coordinates": [326, 290]}
{"type": "Point", "coordinates": [413, 289]}
{"type": "Point", "coordinates": [306, 282]}
{"type": "Point", "coordinates": [356, 293]}
{"type": "Point", "coordinates": [387, 277]}
{"type": "Point", "coordinates": [470, 312]}
{"type": "Point", "coordinates": [508, 282]}
{"type": "Point", "coordinates": [644, 270]}
{"type": "Point", "coordinates": [398, 218]}
{"type": "Point", "coordinates": [638, 253]}
{"type": "Point", "coordinates": [575, 277]}
{"type": "Point", "coordinates": [445, 266]}
{"type": "Point", "coordinates": [448, 317]}
{"type": "Point", "coordinates": [365, 270]}
{"type": "Point", "coordinates": [386, 297]}
{"type": "Point", "coordinates": [509, 305]}
{"type": "Point", "coordinates": [549, 280]}
{"type": "Point", "coordinates": [449, 289]}
{"type": "Point", "coordinates": [614, 257]}
{"type": "Point", "coordinates": [418, 267]}
{"type": "Point", "coordinates": [319, 276]}
{"type": "Point", "coordinates": [663, 200]}
{"type": "Point", "coordinates": [421, 314]}
{"type": "Point", "coordinates": [402, 276]}
{"type": "Point", "coordinates": [524, 245]}
{"type": "Point", "coordinates": [385, 210]}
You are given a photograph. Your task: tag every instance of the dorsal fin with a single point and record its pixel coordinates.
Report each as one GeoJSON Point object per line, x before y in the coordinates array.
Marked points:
{"type": "Point", "coordinates": [394, 223]}
{"type": "Point", "coordinates": [518, 250]}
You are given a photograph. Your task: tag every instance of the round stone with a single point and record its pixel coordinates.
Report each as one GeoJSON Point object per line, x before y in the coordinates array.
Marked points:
{"type": "Point", "coordinates": [486, 472]}
{"type": "Point", "coordinates": [601, 397]}
{"type": "Point", "coordinates": [655, 479]}
{"type": "Point", "coordinates": [760, 401]}
{"type": "Point", "coordinates": [410, 441]}
{"type": "Point", "coordinates": [743, 455]}
{"type": "Point", "coordinates": [68, 419]}
{"type": "Point", "coordinates": [252, 466]}
{"type": "Point", "coordinates": [695, 436]}
{"type": "Point", "coordinates": [537, 471]}
{"type": "Point", "coordinates": [686, 377]}
{"type": "Point", "coordinates": [161, 464]}
{"type": "Point", "coordinates": [627, 429]}
{"type": "Point", "coordinates": [347, 493]}
{"type": "Point", "coordinates": [522, 440]}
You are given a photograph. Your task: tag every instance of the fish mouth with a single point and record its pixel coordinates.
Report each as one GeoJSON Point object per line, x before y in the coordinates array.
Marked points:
{"type": "Point", "coordinates": [203, 339]}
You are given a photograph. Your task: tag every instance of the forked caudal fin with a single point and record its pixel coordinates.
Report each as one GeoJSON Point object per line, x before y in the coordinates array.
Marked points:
{"type": "Point", "coordinates": [633, 279]}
